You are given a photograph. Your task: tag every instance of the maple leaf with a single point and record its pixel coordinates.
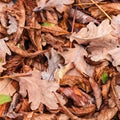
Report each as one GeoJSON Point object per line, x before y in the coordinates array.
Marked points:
{"type": "Point", "coordinates": [60, 5]}
{"type": "Point", "coordinates": [76, 55]}
{"type": "Point", "coordinates": [39, 91]}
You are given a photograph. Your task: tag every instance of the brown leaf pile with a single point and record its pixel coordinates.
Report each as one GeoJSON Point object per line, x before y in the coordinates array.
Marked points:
{"type": "Point", "coordinates": [59, 59]}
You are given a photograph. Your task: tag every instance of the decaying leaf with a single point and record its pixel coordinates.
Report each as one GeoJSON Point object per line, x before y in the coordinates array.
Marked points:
{"type": "Point", "coordinates": [18, 11]}
{"type": "Point", "coordinates": [109, 8]}
{"type": "Point", "coordinates": [79, 97]}
{"type": "Point", "coordinates": [53, 63]}
{"type": "Point", "coordinates": [82, 17]}
{"type": "Point", "coordinates": [81, 111]}
{"type": "Point", "coordinates": [115, 90]}
{"type": "Point", "coordinates": [22, 52]}
{"type": "Point", "coordinates": [77, 55]}
{"type": "Point", "coordinates": [107, 113]}
{"type": "Point", "coordinates": [55, 30]}
{"type": "Point", "coordinates": [6, 88]}
{"type": "Point", "coordinates": [60, 5]}
{"type": "Point", "coordinates": [3, 51]}
{"type": "Point", "coordinates": [73, 80]}
{"type": "Point", "coordinates": [104, 43]}
{"type": "Point", "coordinates": [97, 92]}
{"type": "Point", "coordinates": [39, 91]}
{"type": "Point", "coordinates": [12, 28]}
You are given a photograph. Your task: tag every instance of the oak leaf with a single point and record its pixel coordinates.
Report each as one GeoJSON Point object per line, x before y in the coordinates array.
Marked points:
{"type": "Point", "coordinates": [60, 5]}
{"type": "Point", "coordinates": [76, 55]}
{"type": "Point", "coordinates": [39, 91]}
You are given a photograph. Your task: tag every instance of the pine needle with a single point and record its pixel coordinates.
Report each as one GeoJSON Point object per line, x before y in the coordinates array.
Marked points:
{"type": "Point", "coordinates": [102, 10]}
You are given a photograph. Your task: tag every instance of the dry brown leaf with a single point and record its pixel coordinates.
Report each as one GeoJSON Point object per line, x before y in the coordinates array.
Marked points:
{"type": "Point", "coordinates": [18, 11]}
{"type": "Point", "coordinates": [3, 51]}
{"type": "Point", "coordinates": [81, 111]}
{"type": "Point", "coordinates": [109, 8]}
{"type": "Point", "coordinates": [101, 32]}
{"type": "Point", "coordinates": [104, 32]}
{"type": "Point", "coordinates": [53, 64]}
{"type": "Point", "coordinates": [79, 97]}
{"type": "Point", "coordinates": [55, 30]}
{"type": "Point", "coordinates": [60, 72]}
{"type": "Point", "coordinates": [104, 43]}
{"type": "Point", "coordinates": [81, 17]}
{"type": "Point", "coordinates": [39, 91]}
{"type": "Point", "coordinates": [12, 28]}
{"type": "Point", "coordinates": [72, 80]}
{"type": "Point", "coordinates": [7, 1]}
{"type": "Point", "coordinates": [105, 90]}
{"type": "Point", "coordinates": [22, 52]}
{"type": "Point", "coordinates": [43, 117]}
{"type": "Point", "coordinates": [6, 87]}
{"type": "Point", "coordinates": [115, 90]}
{"type": "Point", "coordinates": [52, 16]}
{"type": "Point", "coordinates": [97, 92]}
{"type": "Point", "coordinates": [35, 35]}
{"type": "Point", "coordinates": [107, 113]}
{"type": "Point", "coordinates": [55, 42]}
{"type": "Point", "coordinates": [60, 5]}
{"type": "Point", "coordinates": [76, 55]}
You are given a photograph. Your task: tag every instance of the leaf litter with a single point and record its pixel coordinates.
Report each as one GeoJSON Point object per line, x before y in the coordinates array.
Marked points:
{"type": "Point", "coordinates": [59, 60]}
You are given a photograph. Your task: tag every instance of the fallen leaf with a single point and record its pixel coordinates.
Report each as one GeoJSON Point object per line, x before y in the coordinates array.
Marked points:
{"type": "Point", "coordinates": [107, 113]}
{"type": "Point", "coordinates": [20, 17]}
{"type": "Point", "coordinates": [6, 87]}
{"type": "Point", "coordinates": [80, 98]}
{"type": "Point", "coordinates": [97, 92]}
{"type": "Point", "coordinates": [105, 89]}
{"type": "Point", "coordinates": [43, 117]}
{"type": "Point", "coordinates": [61, 72]}
{"type": "Point", "coordinates": [39, 91]}
{"type": "Point", "coordinates": [12, 28]}
{"type": "Point", "coordinates": [55, 30]}
{"type": "Point", "coordinates": [22, 52]}
{"type": "Point", "coordinates": [53, 63]}
{"type": "Point", "coordinates": [81, 111]}
{"type": "Point", "coordinates": [77, 55]}
{"type": "Point", "coordinates": [115, 90]}
{"type": "Point", "coordinates": [55, 42]}
{"type": "Point", "coordinates": [72, 80]}
{"type": "Point", "coordinates": [60, 5]}
{"type": "Point", "coordinates": [110, 8]}
{"type": "Point", "coordinates": [81, 17]}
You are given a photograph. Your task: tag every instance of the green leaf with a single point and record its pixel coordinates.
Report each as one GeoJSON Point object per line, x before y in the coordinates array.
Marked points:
{"type": "Point", "coordinates": [4, 99]}
{"type": "Point", "coordinates": [48, 24]}
{"type": "Point", "coordinates": [105, 77]}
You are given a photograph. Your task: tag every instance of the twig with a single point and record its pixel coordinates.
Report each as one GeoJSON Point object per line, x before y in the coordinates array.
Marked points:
{"type": "Point", "coordinates": [101, 10]}
{"type": "Point", "coordinates": [88, 3]}
{"type": "Point", "coordinates": [72, 117]}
